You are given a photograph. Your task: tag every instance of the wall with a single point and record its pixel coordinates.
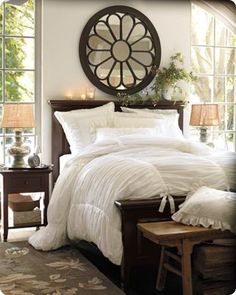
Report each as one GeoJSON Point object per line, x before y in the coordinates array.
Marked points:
{"type": "Point", "coordinates": [62, 23]}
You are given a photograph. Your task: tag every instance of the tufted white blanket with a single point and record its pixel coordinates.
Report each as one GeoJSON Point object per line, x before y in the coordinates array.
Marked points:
{"type": "Point", "coordinates": [82, 203]}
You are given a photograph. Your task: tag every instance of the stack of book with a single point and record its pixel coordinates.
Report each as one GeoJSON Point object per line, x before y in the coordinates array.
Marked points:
{"type": "Point", "coordinates": [215, 268]}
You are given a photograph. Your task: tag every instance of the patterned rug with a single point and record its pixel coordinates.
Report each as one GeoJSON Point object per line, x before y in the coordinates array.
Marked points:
{"type": "Point", "coordinates": [25, 271]}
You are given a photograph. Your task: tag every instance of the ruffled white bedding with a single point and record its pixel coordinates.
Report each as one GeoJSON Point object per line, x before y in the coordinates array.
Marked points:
{"type": "Point", "coordinates": [82, 203]}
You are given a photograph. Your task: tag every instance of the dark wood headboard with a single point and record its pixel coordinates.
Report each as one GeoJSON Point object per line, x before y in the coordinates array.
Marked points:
{"type": "Point", "coordinates": [60, 145]}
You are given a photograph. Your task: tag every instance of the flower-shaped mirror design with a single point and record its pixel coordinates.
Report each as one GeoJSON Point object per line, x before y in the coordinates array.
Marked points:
{"type": "Point", "coordinates": [120, 50]}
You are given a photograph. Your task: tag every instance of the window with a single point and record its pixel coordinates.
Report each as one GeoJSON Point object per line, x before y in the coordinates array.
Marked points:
{"type": "Point", "coordinates": [17, 64]}
{"type": "Point", "coordinates": [213, 63]}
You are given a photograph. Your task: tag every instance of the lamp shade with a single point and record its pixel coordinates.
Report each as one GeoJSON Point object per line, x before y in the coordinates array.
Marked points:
{"type": "Point", "coordinates": [204, 115]}
{"type": "Point", "coordinates": [18, 116]}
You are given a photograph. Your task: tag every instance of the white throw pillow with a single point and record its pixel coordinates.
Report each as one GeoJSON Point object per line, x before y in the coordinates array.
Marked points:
{"type": "Point", "coordinates": [166, 126]}
{"type": "Point", "coordinates": [80, 125]}
{"type": "Point", "coordinates": [171, 125]}
{"type": "Point", "coordinates": [210, 208]}
{"type": "Point", "coordinates": [107, 133]}
{"type": "Point", "coordinates": [127, 120]}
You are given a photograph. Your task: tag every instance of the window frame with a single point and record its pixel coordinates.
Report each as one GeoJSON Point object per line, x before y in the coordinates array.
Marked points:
{"type": "Point", "coordinates": [213, 131]}
{"type": "Point", "coordinates": [36, 135]}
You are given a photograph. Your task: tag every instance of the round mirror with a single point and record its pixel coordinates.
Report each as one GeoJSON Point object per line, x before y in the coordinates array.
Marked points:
{"type": "Point", "coordinates": [120, 50]}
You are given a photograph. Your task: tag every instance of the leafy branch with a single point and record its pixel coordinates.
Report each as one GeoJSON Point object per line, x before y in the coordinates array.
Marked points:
{"type": "Point", "coordinates": [172, 74]}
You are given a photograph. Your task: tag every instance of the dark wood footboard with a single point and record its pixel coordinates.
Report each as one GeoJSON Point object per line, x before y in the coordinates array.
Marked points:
{"type": "Point", "coordinates": [138, 250]}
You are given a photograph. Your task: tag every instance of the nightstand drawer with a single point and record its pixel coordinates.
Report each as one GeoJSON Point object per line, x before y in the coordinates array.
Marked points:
{"type": "Point", "coordinates": [32, 183]}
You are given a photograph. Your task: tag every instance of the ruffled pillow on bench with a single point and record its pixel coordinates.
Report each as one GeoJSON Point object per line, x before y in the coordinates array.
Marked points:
{"type": "Point", "coordinates": [210, 208]}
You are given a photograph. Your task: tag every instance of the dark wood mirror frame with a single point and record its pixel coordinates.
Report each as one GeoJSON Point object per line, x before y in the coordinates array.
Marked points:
{"type": "Point", "coordinates": [150, 34]}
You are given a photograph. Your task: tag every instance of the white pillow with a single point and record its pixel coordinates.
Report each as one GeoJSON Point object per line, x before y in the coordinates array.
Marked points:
{"type": "Point", "coordinates": [210, 208]}
{"type": "Point", "coordinates": [156, 111]}
{"type": "Point", "coordinates": [80, 125]}
{"type": "Point", "coordinates": [107, 133]}
{"type": "Point", "coordinates": [167, 125]}
{"type": "Point", "coordinates": [171, 117]}
{"type": "Point", "coordinates": [127, 120]}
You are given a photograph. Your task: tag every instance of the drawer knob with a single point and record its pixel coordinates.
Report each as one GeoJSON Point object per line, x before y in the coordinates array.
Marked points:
{"type": "Point", "coordinates": [26, 182]}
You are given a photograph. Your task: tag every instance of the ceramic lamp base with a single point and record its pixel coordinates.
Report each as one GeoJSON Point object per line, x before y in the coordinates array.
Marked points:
{"type": "Point", "coordinates": [18, 162]}
{"type": "Point", "coordinates": [18, 151]}
{"type": "Point", "coordinates": [203, 134]}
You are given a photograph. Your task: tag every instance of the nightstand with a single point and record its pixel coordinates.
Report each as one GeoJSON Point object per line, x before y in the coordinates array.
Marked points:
{"type": "Point", "coordinates": [25, 180]}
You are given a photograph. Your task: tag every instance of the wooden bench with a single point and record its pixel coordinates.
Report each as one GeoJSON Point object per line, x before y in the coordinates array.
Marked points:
{"type": "Point", "coordinates": [184, 237]}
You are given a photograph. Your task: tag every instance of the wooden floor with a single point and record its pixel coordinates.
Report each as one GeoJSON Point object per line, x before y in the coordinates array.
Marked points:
{"type": "Point", "coordinates": [142, 279]}
{"type": "Point", "coordinates": [15, 235]}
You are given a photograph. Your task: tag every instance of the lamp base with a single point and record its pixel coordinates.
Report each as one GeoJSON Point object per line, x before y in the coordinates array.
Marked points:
{"type": "Point", "coordinates": [18, 151]}
{"type": "Point", "coordinates": [18, 162]}
{"type": "Point", "coordinates": [204, 137]}
{"type": "Point", "coordinates": [203, 134]}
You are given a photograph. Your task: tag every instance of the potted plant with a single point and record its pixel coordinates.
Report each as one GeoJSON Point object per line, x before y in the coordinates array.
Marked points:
{"type": "Point", "coordinates": [166, 78]}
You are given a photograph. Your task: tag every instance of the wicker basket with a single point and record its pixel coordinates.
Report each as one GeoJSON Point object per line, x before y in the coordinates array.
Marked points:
{"type": "Point", "coordinates": [25, 218]}
{"type": "Point", "coordinates": [18, 202]}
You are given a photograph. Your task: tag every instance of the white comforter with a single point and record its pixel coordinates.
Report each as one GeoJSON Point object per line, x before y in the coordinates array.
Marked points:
{"type": "Point", "coordinates": [82, 203]}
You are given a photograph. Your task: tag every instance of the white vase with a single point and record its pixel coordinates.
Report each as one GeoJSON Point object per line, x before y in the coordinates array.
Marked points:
{"type": "Point", "coordinates": [167, 92]}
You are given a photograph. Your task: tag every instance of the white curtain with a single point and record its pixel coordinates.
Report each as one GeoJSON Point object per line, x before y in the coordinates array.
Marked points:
{"type": "Point", "coordinates": [225, 11]}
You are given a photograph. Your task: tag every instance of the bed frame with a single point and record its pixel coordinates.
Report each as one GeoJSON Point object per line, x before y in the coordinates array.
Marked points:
{"type": "Point", "coordinates": [137, 250]}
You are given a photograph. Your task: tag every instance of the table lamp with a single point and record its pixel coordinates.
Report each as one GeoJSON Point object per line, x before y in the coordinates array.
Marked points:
{"type": "Point", "coordinates": [203, 116]}
{"type": "Point", "coordinates": [18, 116]}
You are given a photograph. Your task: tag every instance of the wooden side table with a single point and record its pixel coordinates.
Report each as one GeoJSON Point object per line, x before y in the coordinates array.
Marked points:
{"type": "Point", "coordinates": [23, 181]}
{"type": "Point", "coordinates": [184, 237]}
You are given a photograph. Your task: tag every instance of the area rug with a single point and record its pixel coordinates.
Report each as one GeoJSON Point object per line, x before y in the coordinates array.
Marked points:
{"type": "Point", "coordinates": [26, 271]}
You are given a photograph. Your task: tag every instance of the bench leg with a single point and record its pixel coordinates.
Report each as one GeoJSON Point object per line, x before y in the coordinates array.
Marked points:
{"type": "Point", "coordinates": [162, 271]}
{"type": "Point", "coordinates": [186, 267]}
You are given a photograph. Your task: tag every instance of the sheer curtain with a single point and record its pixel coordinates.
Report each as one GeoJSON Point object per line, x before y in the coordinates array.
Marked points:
{"type": "Point", "coordinates": [224, 10]}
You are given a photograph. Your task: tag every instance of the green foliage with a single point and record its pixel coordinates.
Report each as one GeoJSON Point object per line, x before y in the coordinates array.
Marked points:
{"type": "Point", "coordinates": [137, 98]}
{"type": "Point", "coordinates": [126, 99]}
{"type": "Point", "coordinates": [166, 76]}
{"type": "Point", "coordinates": [171, 75]}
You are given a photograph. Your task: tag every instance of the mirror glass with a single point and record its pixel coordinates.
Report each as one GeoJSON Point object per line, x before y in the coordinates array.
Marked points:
{"type": "Point", "coordinates": [120, 50]}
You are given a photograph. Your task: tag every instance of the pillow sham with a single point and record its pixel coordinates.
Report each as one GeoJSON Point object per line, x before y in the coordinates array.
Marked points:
{"type": "Point", "coordinates": [128, 120]}
{"type": "Point", "coordinates": [167, 125]}
{"type": "Point", "coordinates": [80, 125]}
{"type": "Point", "coordinates": [210, 208]}
{"type": "Point", "coordinates": [105, 133]}
{"type": "Point", "coordinates": [156, 111]}
{"type": "Point", "coordinates": [171, 116]}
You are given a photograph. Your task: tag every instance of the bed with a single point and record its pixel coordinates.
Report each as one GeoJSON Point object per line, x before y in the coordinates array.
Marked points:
{"type": "Point", "coordinates": [136, 250]}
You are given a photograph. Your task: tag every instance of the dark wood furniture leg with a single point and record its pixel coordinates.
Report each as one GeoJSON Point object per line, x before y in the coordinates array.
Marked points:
{"type": "Point", "coordinates": [187, 248]}
{"type": "Point", "coordinates": [46, 201]}
{"type": "Point", "coordinates": [161, 277]}
{"type": "Point", "coordinates": [5, 215]}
